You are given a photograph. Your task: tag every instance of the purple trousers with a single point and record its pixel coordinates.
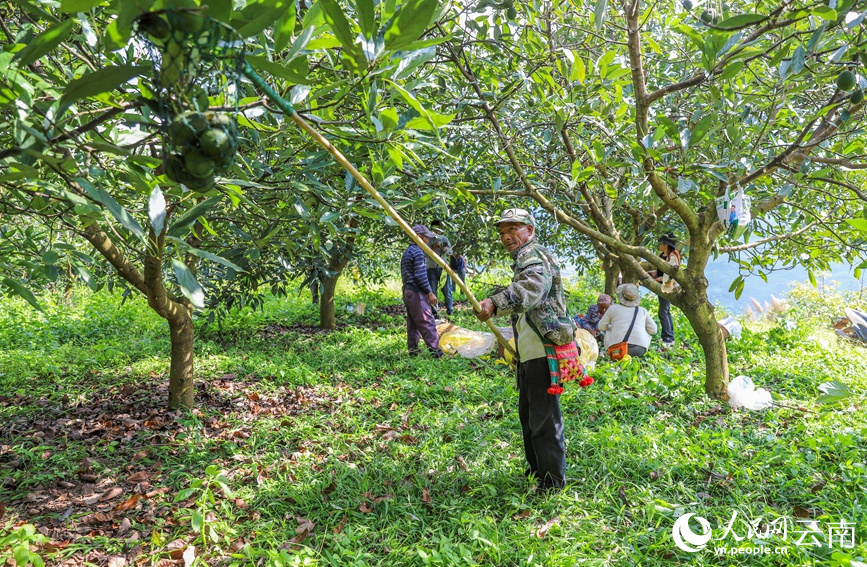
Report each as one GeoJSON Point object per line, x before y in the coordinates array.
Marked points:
{"type": "Point", "coordinates": [420, 322]}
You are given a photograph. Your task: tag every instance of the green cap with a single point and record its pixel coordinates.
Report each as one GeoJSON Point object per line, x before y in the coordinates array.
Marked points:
{"type": "Point", "coordinates": [516, 215]}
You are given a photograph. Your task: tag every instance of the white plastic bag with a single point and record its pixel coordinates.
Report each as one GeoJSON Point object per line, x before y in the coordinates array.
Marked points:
{"type": "Point", "coordinates": [734, 211]}
{"type": "Point", "coordinates": [743, 393]}
{"type": "Point", "coordinates": [732, 325]}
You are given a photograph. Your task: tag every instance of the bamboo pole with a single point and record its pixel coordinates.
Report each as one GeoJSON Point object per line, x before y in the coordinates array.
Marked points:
{"type": "Point", "coordinates": [341, 159]}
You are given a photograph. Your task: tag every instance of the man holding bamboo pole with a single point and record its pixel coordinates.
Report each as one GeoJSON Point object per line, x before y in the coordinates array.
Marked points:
{"type": "Point", "coordinates": [536, 303]}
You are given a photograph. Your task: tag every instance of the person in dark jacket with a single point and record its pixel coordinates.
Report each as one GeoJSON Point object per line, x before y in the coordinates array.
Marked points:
{"type": "Point", "coordinates": [419, 298]}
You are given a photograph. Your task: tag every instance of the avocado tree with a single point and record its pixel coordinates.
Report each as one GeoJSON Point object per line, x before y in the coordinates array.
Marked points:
{"type": "Point", "coordinates": [626, 121]}
{"type": "Point", "coordinates": [83, 155]}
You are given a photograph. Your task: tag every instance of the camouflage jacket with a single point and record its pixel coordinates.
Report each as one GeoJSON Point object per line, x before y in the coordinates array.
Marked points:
{"type": "Point", "coordinates": [537, 290]}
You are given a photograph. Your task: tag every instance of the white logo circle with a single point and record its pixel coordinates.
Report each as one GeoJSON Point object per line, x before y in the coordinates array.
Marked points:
{"type": "Point", "coordinates": [684, 537]}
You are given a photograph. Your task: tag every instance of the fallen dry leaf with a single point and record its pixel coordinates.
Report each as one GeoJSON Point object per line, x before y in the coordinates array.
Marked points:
{"type": "Point", "coordinates": [339, 527]}
{"type": "Point", "coordinates": [521, 515]}
{"type": "Point", "coordinates": [53, 546]}
{"type": "Point", "coordinates": [364, 508]}
{"type": "Point", "coordinates": [124, 527]}
{"type": "Point", "coordinates": [129, 504]}
{"type": "Point", "coordinates": [140, 476]}
{"type": "Point", "coordinates": [189, 555]}
{"type": "Point", "coordinates": [304, 524]}
{"type": "Point", "coordinates": [543, 531]}
{"type": "Point", "coordinates": [425, 496]}
{"type": "Point", "coordinates": [116, 561]}
{"type": "Point", "coordinates": [137, 457]}
{"type": "Point", "coordinates": [462, 463]}
{"type": "Point", "coordinates": [111, 493]}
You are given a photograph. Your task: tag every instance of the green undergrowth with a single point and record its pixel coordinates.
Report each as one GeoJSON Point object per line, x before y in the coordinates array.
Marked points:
{"type": "Point", "coordinates": [336, 448]}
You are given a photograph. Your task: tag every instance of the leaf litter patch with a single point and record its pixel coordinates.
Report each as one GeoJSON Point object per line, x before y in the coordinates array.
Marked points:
{"type": "Point", "coordinates": [88, 493]}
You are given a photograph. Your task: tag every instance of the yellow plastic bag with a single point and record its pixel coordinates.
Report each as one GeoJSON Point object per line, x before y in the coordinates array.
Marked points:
{"type": "Point", "coordinates": [465, 342]}
{"type": "Point", "coordinates": [589, 347]}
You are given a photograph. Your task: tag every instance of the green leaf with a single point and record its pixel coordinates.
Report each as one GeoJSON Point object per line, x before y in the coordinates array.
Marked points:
{"type": "Point", "coordinates": [212, 257]}
{"type": "Point", "coordinates": [410, 20]}
{"type": "Point", "coordinates": [731, 70]}
{"type": "Point", "coordinates": [197, 521]}
{"type": "Point", "coordinates": [599, 14]}
{"type": "Point", "coordinates": [700, 130]}
{"type": "Point", "coordinates": [300, 44]}
{"type": "Point", "coordinates": [432, 118]}
{"type": "Point", "coordinates": [328, 216]}
{"type": "Point", "coordinates": [157, 210]}
{"type": "Point", "coordinates": [190, 287]}
{"type": "Point", "coordinates": [797, 60]}
{"type": "Point", "coordinates": [22, 291]}
{"type": "Point", "coordinates": [817, 35]}
{"type": "Point", "coordinates": [740, 21]}
{"type": "Point", "coordinates": [812, 278]}
{"type": "Point", "coordinates": [296, 73]}
{"type": "Point", "coordinates": [669, 125]}
{"type": "Point", "coordinates": [100, 81]}
{"type": "Point", "coordinates": [339, 24]}
{"type": "Point", "coordinates": [186, 220]}
{"type": "Point", "coordinates": [366, 17]}
{"type": "Point", "coordinates": [833, 392]}
{"type": "Point", "coordinates": [221, 10]}
{"type": "Point", "coordinates": [184, 494]}
{"type": "Point", "coordinates": [740, 289]}
{"type": "Point", "coordinates": [75, 6]}
{"type": "Point", "coordinates": [301, 209]}
{"type": "Point", "coordinates": [284, 30]}
{"type": "Point", "coordinates": [859, 224]}
{"type": "Point", "coordinates": [44, 42]}
{"type": "Point", "coordinates": [579, 70]}
{"type": "Point", "coordinates": [120, 214]}
{"type": "Point", "coordinates": [258, 16]}
{"type": "Point", "coordinates": [826, 13]}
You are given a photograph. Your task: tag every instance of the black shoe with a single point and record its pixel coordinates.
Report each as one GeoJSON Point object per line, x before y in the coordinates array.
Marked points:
{"type": "Point", "coordinates": [438, 353]}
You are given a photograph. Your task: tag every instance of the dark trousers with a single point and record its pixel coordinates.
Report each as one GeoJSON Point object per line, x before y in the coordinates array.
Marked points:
{"type": "Point", "coordinates": [541, 424]}
{"type": "Point", "coordinates": [433, 278]}
{"type": "Point", "coordinates": [635, 350]}
{"type": "Point", "coordinates": [420, 322]}
{"type": "Point", "coordinates": [452, 288]}
{"type": "Point", "coordinates": [665, 320]}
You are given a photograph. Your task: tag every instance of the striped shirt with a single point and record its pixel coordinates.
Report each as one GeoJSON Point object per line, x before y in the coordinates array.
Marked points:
{"type": "Point", "coordinates": [412, 269]}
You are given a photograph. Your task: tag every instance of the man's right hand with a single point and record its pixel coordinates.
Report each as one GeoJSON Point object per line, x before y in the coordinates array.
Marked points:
{"type": "Point", "coordinates": [432, 298]}
{"type": "Point", "coordinates": [487, 310]}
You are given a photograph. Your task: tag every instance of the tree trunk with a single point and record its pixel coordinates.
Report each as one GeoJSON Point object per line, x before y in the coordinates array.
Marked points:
{"type": "Point", "coordinates": [612, 272]}
{"type": "Point", "coordinates": [326, 302]}
{"type": "Point", "coordinates": [699, 312]}
{"type": "Point", "coordinates": [181, 379]}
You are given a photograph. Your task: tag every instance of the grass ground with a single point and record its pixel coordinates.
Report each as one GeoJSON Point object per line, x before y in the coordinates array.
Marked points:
{"type": "Point", "coordinates": [335, 448]}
